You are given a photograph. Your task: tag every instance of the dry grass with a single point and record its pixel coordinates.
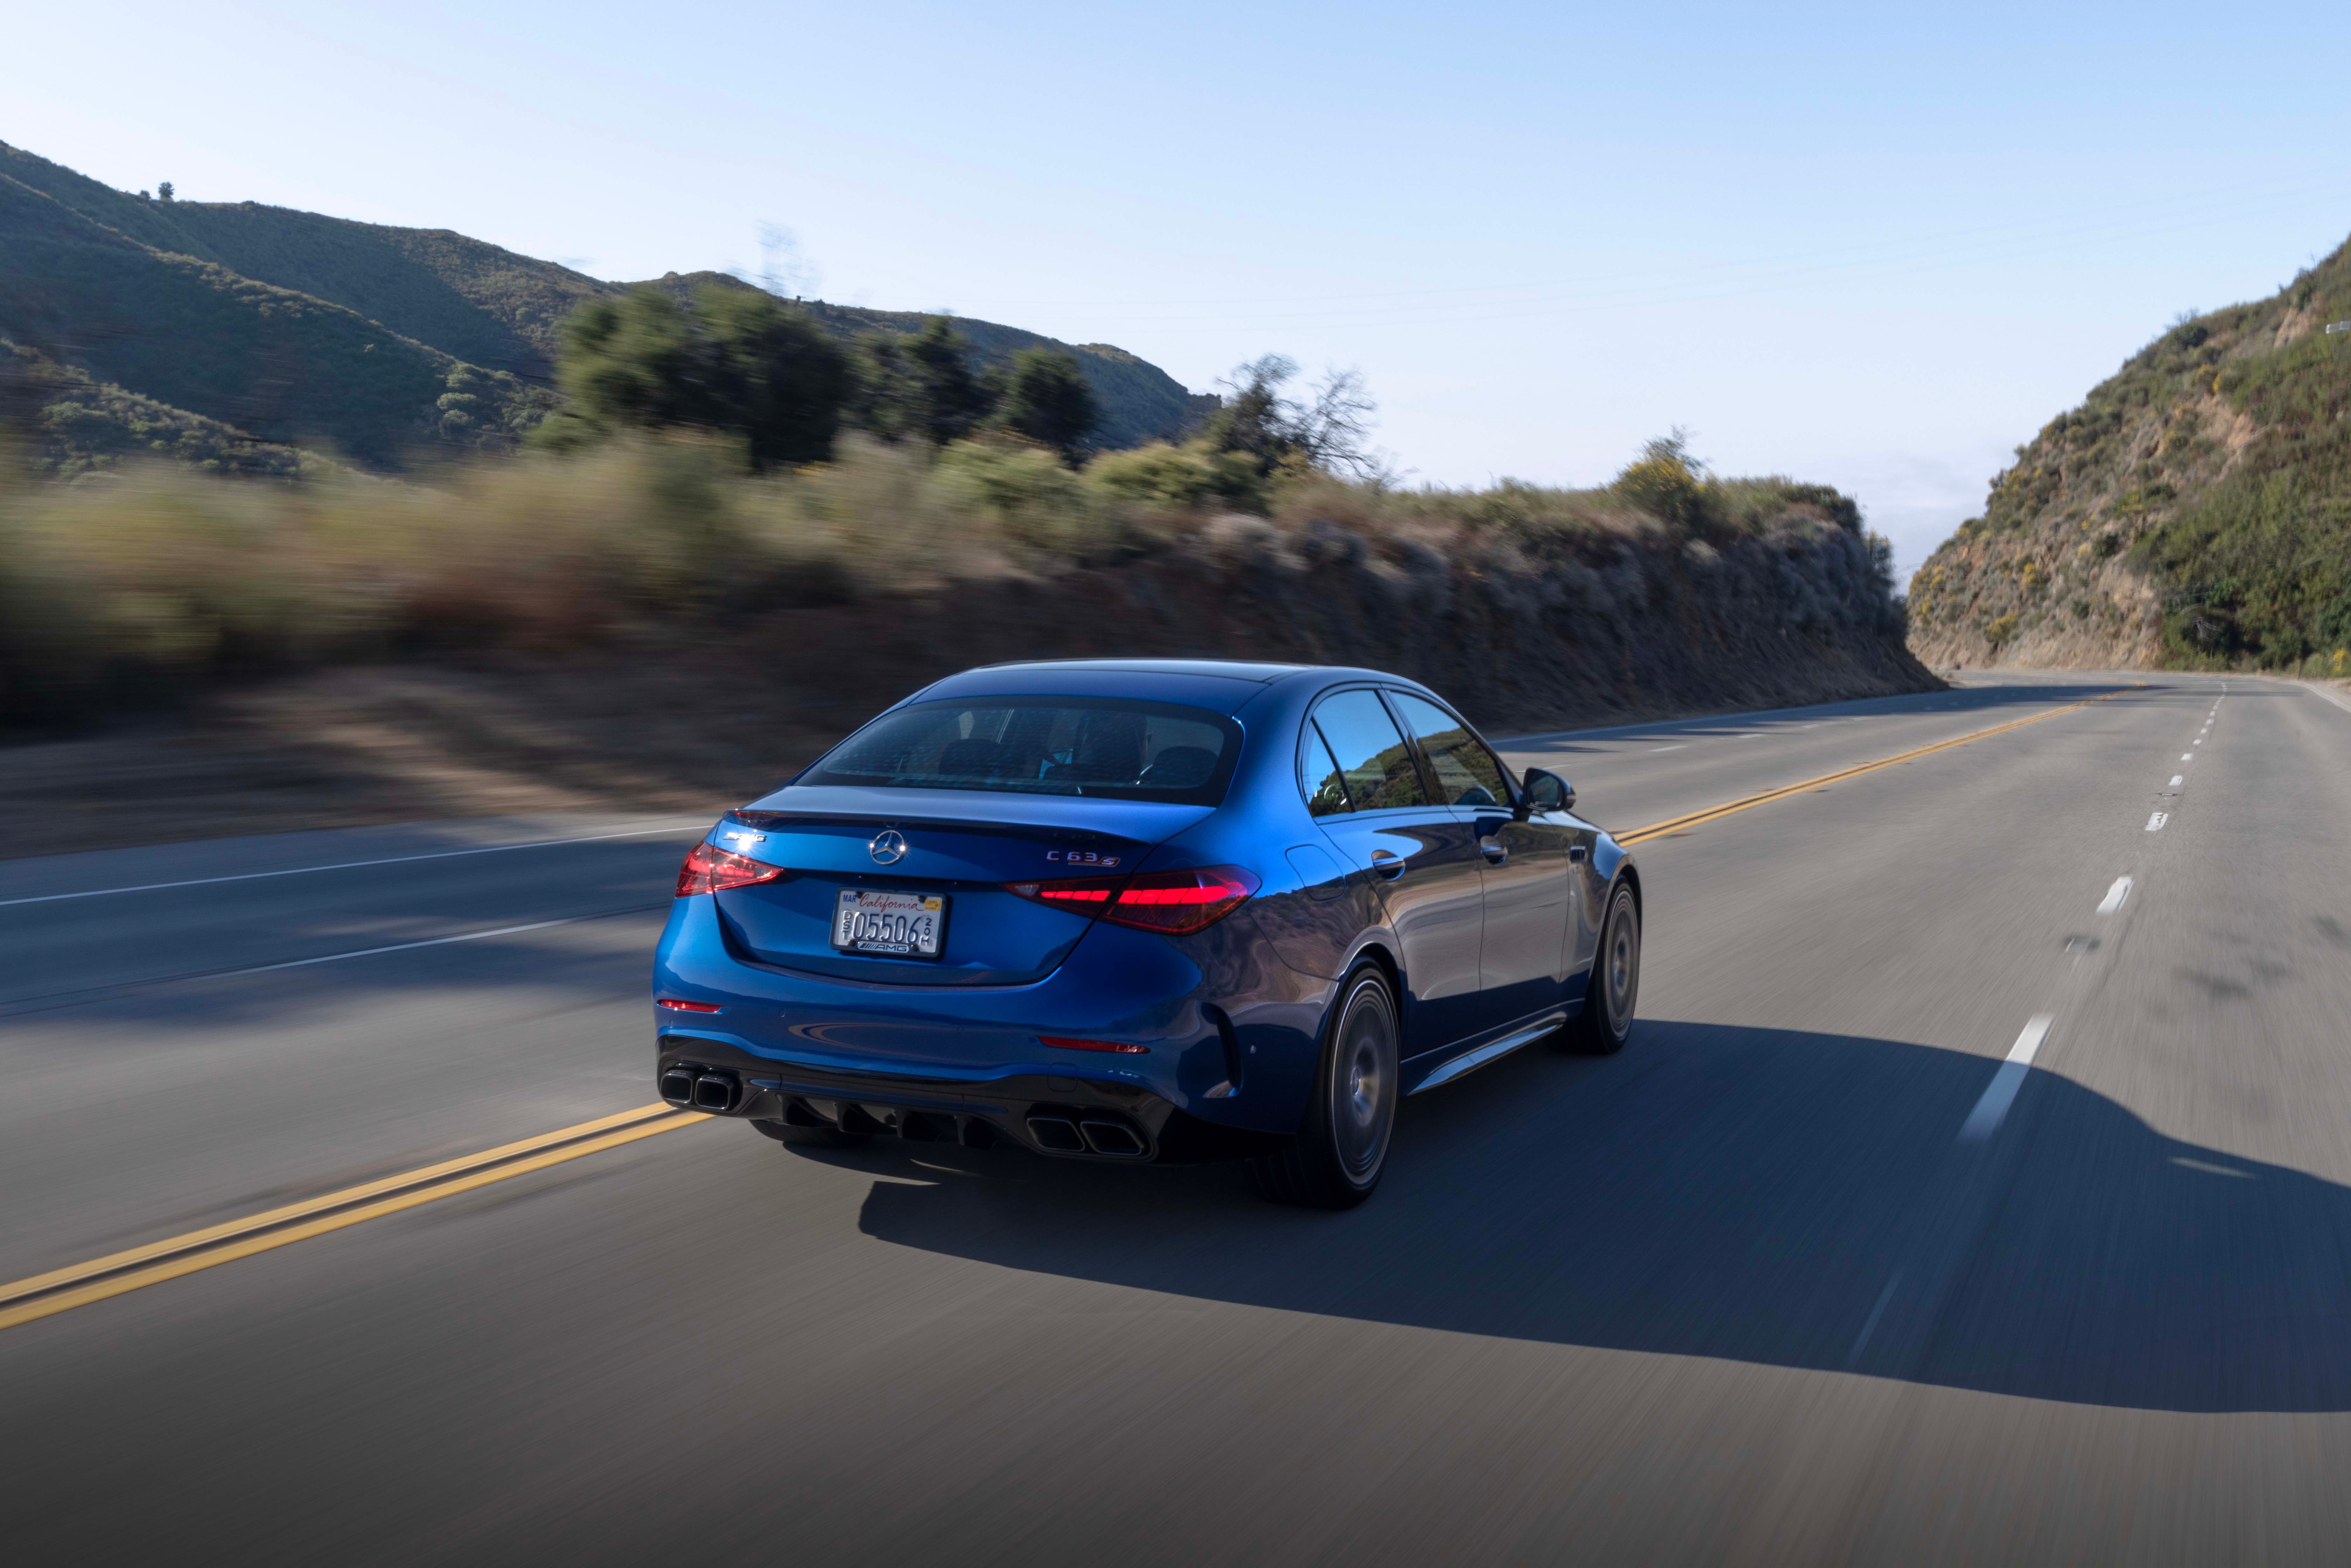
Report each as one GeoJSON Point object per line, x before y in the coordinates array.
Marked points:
{"type": "Point", "coordinates": [123, 590]}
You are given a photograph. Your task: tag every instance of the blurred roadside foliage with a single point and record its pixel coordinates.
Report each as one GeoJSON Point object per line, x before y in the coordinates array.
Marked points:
{"type": "Point", "coordinates": [132, 587]}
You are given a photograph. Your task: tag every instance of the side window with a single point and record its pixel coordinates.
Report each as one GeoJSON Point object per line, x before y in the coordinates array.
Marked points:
{"type": "Point", "coordinates": [1467, 773]}
{"type": "Point", "coordinates": [1317, 775]}
{"type": "Point", "coordinates": [1371, 756]}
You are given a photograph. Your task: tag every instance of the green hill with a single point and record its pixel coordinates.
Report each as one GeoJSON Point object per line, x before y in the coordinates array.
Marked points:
{"type": "Point", "coordinates": [1140, 401]}
{"type": "Point", "coordinates": [2195, 511]}
{"type": "Point", "coordinates": [376, 342]}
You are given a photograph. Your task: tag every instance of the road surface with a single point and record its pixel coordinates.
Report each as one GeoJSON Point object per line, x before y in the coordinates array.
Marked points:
{"type": "Point", "coordinates": [1976, 1188]}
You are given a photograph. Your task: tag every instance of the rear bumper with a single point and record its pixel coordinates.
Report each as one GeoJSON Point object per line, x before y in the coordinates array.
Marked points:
{"type": "Point", "coordinates": [1214, 1032]}
{"type": "Point", "coordinates": [1066, 1117]}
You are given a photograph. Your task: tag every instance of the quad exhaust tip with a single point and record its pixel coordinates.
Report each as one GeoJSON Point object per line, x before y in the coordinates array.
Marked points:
{"type": "Point", "coordinates": [1112, 1138]}
{"type": "Point", "coordinates": [1058, 1133]}
{"type": "Point", "coordinates": [685, 1086]}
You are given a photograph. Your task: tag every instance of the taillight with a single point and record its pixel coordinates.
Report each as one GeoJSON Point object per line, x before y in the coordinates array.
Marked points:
{"type": "Point", "coordinates": [709, 869]}
{"type": "Point", "coordinates": [683, 1006]}
{"type": "Point", "coordinates": [1177, 903]}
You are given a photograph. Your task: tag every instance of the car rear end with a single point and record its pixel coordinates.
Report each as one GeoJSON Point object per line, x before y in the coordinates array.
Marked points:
{"type": "Point", "coordinates": [1000, 922]}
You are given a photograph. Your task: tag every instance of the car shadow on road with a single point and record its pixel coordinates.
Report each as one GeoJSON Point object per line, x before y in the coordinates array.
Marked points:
{"type": "Point", "coordinates": [1735, 1193]}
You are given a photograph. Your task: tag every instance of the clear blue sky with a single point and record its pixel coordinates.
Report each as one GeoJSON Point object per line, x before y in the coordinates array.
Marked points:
{"type": "Point", "coordinates": [1876, 245]}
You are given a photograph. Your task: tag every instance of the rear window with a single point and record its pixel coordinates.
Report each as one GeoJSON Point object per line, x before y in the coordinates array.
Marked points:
{"type": "Point", "coordinates": [1094, 746]}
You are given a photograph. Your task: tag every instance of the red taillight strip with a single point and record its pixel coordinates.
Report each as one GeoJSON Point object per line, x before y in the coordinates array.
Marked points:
{"type": "Point", "coordinates": [1171, 903]}
{"type": "Point", "coordinates": [687, 1007]}
{"type": "Point", "coordinates": [1212, 895]}
{"type": "Point", "coordinates": [1065, 1043]}
{"type": "Point", "coordinates": [709, 869]}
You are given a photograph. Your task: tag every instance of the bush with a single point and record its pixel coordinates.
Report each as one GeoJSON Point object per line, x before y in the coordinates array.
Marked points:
{"type": "Point", "coordinates": [118, 590]}
{"type": "Point", "coordinates": [1180, 478]}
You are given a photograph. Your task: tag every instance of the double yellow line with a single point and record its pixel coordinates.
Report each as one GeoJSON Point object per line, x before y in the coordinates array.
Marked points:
{"type": "Point", "coordinates": [64, 1289]}
{"type": "Point", "coordinates": [1657, 830]}
{"type": "Point", "coordinates": [45, 1294]}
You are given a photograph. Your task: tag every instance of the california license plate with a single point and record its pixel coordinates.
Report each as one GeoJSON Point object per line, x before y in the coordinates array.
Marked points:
{"type": "Point", "coordinates": [902, 925]}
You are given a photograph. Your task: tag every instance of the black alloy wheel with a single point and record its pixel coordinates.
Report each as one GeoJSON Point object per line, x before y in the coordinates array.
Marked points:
{"type": "Point", "coordinates": [1606, 1020]}
{"type": "Point", "coordinates": [1343, 1146]}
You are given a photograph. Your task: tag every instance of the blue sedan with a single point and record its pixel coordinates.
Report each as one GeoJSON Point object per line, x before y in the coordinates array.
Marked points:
{"type": "Point", "coordinates": [1143, 909]}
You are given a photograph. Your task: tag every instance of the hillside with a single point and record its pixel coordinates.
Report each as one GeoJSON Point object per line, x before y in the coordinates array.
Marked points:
{"type": "Point", "coordinates": [1140, 401]}
{"type": "Point", "coordinates": [292, 327]}
{"type": "Point", "coordinates": [2194, 512]}
{"type": "Point", "coordinates": [79, 424]}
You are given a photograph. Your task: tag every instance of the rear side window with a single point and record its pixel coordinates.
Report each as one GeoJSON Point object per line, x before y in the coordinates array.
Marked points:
{"type": "Point", "coordinates": [1318, 776]}
{"type": "Point", "coordinates": [1042, 745]}
{"type": "Point", "coordinates": [1467, 773]}
{"type": "Point", "coordinates": [1370, 754]}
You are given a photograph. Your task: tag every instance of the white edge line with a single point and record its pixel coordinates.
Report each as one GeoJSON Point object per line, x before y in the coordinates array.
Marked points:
{"type": "Point", "coordinates": [345, 865]}
{"type": "Point", "coordinates": [2115, 895]}
{"type": "Point", "coordinates": [1992, 1109]}
{"type": "Point", "coordinates": [402, 946]}
{"type": "Point", "coordinates": [2325, 696]}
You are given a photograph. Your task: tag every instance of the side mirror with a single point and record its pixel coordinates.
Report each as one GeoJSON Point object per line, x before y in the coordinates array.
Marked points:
{"type": "Point", "coordinates": [1543, 791]}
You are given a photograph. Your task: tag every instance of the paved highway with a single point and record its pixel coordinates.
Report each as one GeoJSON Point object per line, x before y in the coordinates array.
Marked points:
{"type": "Point", "coordinates": [1976, 1188]}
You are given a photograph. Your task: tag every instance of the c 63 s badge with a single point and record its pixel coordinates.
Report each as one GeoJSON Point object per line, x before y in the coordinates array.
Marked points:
{"type": "Point", "coordinates": [1083, 857]}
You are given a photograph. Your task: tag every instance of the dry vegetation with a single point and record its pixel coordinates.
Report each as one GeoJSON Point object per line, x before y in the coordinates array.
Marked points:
{"type": "Point", "coordinates": [645, 623]}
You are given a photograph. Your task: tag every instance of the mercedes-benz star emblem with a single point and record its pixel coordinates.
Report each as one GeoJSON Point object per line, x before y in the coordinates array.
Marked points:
{"type": "Point", "coordinates": [888, 847]}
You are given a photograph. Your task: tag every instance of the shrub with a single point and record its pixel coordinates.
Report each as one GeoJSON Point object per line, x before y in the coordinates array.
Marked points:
{"type": "Point", "coordinates": [1180, 478]}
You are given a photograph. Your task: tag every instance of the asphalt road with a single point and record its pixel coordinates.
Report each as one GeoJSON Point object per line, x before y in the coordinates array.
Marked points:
{"type": "Point", "coordinates": [1805, 1275]}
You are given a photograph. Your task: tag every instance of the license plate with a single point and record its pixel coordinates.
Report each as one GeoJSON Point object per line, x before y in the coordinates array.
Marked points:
{"type": "Point", "coordinates": [902, 925]}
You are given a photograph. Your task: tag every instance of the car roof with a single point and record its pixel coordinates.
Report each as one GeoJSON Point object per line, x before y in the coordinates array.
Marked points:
{"type": "Point", "coordinates": [1221, 685]}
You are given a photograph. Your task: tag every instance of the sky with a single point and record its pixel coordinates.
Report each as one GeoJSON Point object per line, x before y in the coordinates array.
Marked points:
{"type": "Point", "coordinates": [1875, 246]}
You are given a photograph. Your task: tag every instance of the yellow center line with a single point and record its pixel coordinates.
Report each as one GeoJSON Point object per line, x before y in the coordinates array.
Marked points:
{"type": "Point", "coordinates": [44, 1295]}
{"type": "Point", "coordinates": [1748, 803]}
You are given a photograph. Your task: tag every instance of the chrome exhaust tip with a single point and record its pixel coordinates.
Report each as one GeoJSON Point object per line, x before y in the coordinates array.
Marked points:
{"type": "Point", "coordinates": [1114, 1138]}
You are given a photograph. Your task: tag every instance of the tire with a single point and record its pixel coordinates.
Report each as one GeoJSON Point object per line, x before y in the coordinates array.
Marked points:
{"type": "Point", "coordinates": [812, 1138]}
{"type": "Point", "coordinates": [1606, 1020]}
{"type": "Point", "coordinates": [1342, 1144]}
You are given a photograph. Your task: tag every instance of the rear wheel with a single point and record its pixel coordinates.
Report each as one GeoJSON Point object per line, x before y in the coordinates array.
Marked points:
{"type": "Point", "coordinates": [1336, 1159]}
{"type": "Point", "coordinates": [1607, 1021]}
{"type": "Point", "coordinates": [812, 1138]}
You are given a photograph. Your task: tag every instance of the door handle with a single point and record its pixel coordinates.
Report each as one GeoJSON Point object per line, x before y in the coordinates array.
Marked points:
{"type": "Point", "coordinates": [1388, 863]}
{"type": "Point", "coordinates": [1495, 854]}
{"type": "Point", "coordinates": [1577, 852]}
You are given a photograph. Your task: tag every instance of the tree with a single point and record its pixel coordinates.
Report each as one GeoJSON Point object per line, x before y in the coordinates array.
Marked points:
{"type": "Point", "coordinates": [1254, 418]}
{"type": "Point", "coordinates": [164, 189]}
{"type": "Point", "coordinates": [735, 359]}
{"type": "Point", "coordinates": [1326, 433]}
{"type": "Point", "coordinates": [921, 386]}
{"type": "Point", "coordinates": [1047, 399]}
{"type": "Point", "coordinates": [944, 398]}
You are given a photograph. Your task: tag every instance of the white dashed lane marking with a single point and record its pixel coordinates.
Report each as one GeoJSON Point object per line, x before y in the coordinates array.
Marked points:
{"type": "Point", "coordinates": [2187, 757]}
{"type": "Point", "coordinates": [2178, 779]}
{"type": "Point", "coordinates": [2156, 819]}
{"type": "Point", "coordinates": [2115, 895]}
{"type": "Point", "coordinates": [1992, 1109]}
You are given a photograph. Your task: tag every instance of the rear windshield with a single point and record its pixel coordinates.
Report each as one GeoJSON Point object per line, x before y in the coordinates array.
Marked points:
{"type": "Point", "coordinates": [1042, 745]}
